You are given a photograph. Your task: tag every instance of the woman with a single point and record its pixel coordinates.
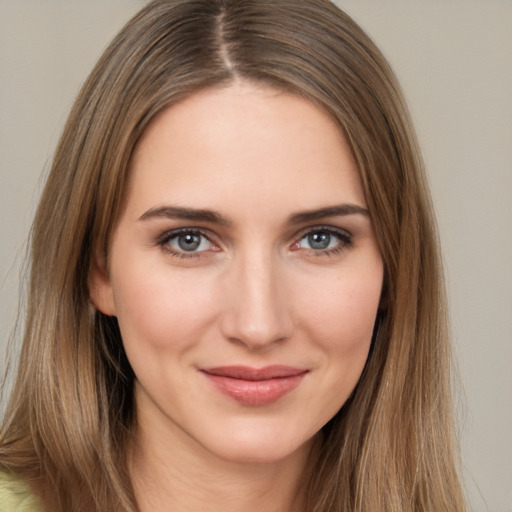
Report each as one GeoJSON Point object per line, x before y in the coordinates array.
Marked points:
{"type": "Point", "coordinates": [236, 300]}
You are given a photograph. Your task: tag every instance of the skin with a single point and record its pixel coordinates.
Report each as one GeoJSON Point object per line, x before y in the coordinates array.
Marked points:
{"type": "Point", "coordinates": [257, 291]}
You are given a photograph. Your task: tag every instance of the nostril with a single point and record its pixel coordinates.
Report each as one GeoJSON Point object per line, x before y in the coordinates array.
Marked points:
{"type": "Point", "coordinates": [255, 326]}
{"type": "Point", "coordinates": [257, 337]}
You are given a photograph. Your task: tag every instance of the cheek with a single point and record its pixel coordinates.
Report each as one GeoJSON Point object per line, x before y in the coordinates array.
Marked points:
{"type": "Point", "coordinates": [343, 313]}
{"type": "Point", "coordinates": [339, 318]}
{"type": "Point", "coordinates": [161, 309]}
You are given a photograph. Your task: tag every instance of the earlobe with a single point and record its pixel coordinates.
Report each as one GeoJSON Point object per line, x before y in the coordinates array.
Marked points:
{"type": "Point", "coordinates": [100, 287]}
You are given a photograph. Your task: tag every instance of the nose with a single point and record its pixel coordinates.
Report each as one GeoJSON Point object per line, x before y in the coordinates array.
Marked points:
{"type": "Point", "coordinates": [256, 307]}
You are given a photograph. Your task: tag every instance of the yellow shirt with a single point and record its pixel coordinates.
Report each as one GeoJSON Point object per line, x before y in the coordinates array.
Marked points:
{"type": "Point", "coordinates": [15, 495]}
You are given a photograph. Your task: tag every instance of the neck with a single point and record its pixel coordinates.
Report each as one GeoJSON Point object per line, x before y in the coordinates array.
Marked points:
{"type": "Point", "coordinates": [174, 472]}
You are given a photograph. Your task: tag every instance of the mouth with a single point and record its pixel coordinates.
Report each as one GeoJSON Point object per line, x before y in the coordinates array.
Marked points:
{"type": "Point", "coordinates": [255, 386]}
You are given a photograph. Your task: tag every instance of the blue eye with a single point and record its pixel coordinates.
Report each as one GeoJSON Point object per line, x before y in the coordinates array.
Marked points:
{"type": "Point", "coordinates": [186, 241]}
{"type": "Point", "coordinates": [324, 240]}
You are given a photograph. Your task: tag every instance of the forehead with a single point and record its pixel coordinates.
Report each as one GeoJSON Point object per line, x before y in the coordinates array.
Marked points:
{"type": "Point", "coordinates": [230, 146]}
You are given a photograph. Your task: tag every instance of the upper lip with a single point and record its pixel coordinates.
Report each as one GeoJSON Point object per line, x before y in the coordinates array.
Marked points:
{"type": "Point", "coordinates": [255, 374]}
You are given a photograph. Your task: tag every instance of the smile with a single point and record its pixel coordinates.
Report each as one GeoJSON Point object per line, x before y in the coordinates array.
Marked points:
{"type": "Point", "coordinates": [252, 386]}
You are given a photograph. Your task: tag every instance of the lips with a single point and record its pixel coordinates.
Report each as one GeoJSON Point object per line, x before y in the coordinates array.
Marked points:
{"type": "Point", "coordinates": [255, 386]}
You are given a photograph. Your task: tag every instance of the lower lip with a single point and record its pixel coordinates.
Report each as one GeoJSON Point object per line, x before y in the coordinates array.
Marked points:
{"type": "Point", "coordinates": [256, 392]}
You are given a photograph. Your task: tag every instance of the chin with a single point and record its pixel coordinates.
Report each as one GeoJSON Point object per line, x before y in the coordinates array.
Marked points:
{"type": "Point", "coordinates": [258, 444]}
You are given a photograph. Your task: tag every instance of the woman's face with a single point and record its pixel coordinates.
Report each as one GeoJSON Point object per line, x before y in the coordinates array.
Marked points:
{"type": "Point", "coordinates": [244, 273]}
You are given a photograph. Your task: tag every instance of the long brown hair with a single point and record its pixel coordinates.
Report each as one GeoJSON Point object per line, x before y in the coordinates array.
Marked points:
{"type": "Point", "coordinates": [391, 447]}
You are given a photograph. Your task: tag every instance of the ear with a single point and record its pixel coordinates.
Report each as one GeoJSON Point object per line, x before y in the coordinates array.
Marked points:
{"type": "Point", "coordinates": [100, 287]}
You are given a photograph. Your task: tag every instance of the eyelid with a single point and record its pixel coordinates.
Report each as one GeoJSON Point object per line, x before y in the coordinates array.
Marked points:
{"type": "Point", "coordinates": [323, 227]}
{"type": "Point", "coordinates": [164, 239]}
{"type": "Point", "coordinates": [343, 235]}
{"type": "Point", "coordinates": [171, 233]}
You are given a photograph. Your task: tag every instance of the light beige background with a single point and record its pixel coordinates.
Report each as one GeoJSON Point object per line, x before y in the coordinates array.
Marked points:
{"type": "Point", "coordinates": [454, 59]}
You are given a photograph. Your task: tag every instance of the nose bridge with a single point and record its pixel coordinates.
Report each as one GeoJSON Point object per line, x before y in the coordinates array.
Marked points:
{"type": "Point", "coordinates": [257, 311]}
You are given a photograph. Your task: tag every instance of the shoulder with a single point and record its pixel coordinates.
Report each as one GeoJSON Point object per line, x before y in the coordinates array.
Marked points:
{"type": "Point", "coordinates": [15, 495]}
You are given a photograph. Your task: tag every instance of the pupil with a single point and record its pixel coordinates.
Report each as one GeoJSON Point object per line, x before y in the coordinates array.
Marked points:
{"type": "Point", "coordinates": [319, 240]}
{"type": "Point", "coordinates": [189, 242]}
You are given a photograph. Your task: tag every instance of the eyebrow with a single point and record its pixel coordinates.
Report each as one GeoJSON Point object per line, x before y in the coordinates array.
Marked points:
{"type": "Point", "coordinates": [329, 211]}
{"type": "Point", "coordinates": [193, 214]}
{"type": "Point", "coordinates": [210, 216]}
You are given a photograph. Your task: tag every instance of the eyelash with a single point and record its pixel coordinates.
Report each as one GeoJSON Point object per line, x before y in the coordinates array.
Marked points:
{"type": "Point", "coordinates": [344, 237]}
{"type": "Point", "coordinates": [164, 240]}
